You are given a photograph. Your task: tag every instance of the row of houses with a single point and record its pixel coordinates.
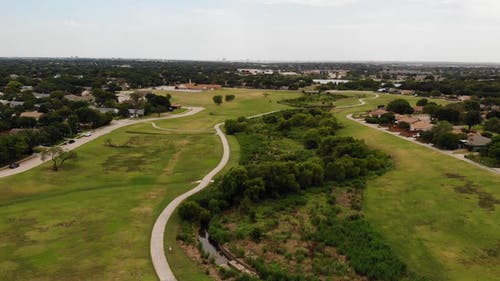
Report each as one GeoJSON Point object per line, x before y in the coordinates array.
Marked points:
{"type": "Point", "coordinates": [418, 123]}
{"type": "Point", "coordinates": [422, 122]}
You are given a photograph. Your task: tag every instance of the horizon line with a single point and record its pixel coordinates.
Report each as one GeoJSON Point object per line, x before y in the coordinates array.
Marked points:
{"type": "Point", "coordinates": [223, 60]}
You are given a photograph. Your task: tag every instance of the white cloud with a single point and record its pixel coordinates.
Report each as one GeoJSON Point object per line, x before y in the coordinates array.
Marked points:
{"type": "Point", "coordinates": [311, 3]}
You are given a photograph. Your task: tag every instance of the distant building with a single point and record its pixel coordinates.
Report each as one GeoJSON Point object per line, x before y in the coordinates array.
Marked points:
{"type": "Point", "coordinates": [41, 96]}
{"type": "Point", "coordinates": [12, 103]}
{"type": "Point", "coordinates": [26, 88]}
{"type": "Point", "coordinates": [199, 87]}
{"type": "Point", "coordinates": [136, 113]}
{"type": "Point", "coordinates": [327, 81]}
{"type": "Point", "coordinates": [32, 114]}
{"type": "Point", "coordinates": [289, 73]}
{"type": "Point", "coordinates": [105, 109]}
{"type": "Point", "coordinates": [72, 97]}
{"type": "Point", "coordinates": [377, 112]}
{"type": "Point", "coordinates": [175, 106]}
{"type": "Point", "coordinates": [476, 141]}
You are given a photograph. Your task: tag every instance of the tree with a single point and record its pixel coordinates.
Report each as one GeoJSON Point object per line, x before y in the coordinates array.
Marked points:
{"type": "Point", "coordinates": [431, 108]}
{"type": "Point", "coordinates": [448, 114]}
{"type": "Point", "coordinates": [400, 106]}
{"type": "Point", "coordinates": [13, 87]}
{"type": "Point", "coordinates": [58, 156]}
{"type": "Point", "coordinates": [217, 99]}
{"type": "Point", "coordinates": [472, 118]}
{"type": "Point", "coordinates": [229, 98]}
{"type": "Point", "coordinates": [492, 125]}
{"type": "Point", "coordinates": [448, 141]}
{"type": "Point", "coordinates": [422, 102]}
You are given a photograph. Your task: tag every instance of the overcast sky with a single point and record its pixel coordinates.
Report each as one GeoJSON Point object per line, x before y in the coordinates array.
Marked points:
{"type": "Point", "coordinates": [306, 30]}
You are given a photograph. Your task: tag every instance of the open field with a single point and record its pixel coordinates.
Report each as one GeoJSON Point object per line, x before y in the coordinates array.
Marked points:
{"type": "Point", "coordinates": [92, 220]}
{"type": "Point", "coordinates": [441, 215]}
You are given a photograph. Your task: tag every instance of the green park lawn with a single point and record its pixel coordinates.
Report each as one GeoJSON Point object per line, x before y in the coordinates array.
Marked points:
{"type": "Point", "coordinates": [441, 215]}
{"type": "Point", "coordinates": [92, 220]}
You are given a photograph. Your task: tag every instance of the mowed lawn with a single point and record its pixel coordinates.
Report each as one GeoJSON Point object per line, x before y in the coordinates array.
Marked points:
{"type": "Point", "coordinates": [441, 215]}
{"type": "Point", "coordinates": [92, 220]}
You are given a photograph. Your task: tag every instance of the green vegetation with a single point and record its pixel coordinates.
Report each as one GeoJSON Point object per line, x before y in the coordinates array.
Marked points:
{"type": "Point", "coordinates": [400, 106]}
{"type": "Point", "coordinates": [325, 100]}
{"type": "Point", "coordinates": [278, 165]}
{"type": "Point", "coordinates": [418, 208]}
{"type": "Point", "coordinates": [92, 219]}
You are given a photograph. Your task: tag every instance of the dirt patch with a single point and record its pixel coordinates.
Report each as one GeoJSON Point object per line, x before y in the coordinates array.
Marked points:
{"type": "Point", "coordinates": [486, 200]}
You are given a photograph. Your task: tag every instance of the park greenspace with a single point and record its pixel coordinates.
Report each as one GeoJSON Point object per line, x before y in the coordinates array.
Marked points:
{"type": "Point", "coordinates": [92, 219]}
{"type": "Point", "coordinates": [440, 214]}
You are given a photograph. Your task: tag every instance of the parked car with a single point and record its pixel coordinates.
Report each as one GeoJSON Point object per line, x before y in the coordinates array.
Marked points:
{"type": "Point", "coordinates": [71, 141]}
{"type": "Point", "coordinates": [14, 165]}
{"type": "Point", "coordinates": [87, 134]}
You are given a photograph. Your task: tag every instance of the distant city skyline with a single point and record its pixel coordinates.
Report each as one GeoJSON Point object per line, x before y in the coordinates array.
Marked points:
{"type": "Point", "coordinates": [265, 30]}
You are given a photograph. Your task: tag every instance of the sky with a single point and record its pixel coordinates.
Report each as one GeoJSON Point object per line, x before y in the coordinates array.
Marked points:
{"type": "Point", "coordinates": [277, 30]}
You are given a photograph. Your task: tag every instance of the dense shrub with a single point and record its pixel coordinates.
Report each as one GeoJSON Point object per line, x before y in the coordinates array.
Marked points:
{"type": "Point", "coordinates": [400, 106]}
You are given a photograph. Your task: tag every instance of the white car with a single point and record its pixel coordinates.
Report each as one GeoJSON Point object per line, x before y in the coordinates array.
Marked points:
{"type": "Point", "coordinates": [87, 134]}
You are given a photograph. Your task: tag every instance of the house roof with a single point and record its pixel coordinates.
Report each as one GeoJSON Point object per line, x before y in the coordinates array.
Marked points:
{"type": "Point", "coordinates": [78, 98]}
{"type": "Point", "coordinates": [377, 112]}
{"type": "Point", "coordinates": [32, 114]}
{"type": "Point", "coordinates": [406, 119]}
{"type": "Point", "coordinates": [418, 108]}
{"type": "Point", "coordinates": [421, 125]}
{"type": "Point", "coordinates": [192, 86]}
{"type": "Point", "coordinates": [136, 111]}
{"type": "Point", "coordinates": [477, 140]}
{"type": "Point", "coordinates": [40, 96]}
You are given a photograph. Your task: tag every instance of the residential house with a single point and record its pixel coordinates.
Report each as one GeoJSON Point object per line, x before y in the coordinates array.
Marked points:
{"type": "Point", "coordinates": [198, 87]}
{"type": "Point", "coordinates": [175, 106]}
{"type": "Point", "coordinates": [421, 126]}
{"type": "Point", "coordinates": [418, 109]}
{"type": "Point", "coordinates": [136, 113]}
{"type": "Point", "coordinates": [32, 114]}
{"type": "Point", "coordinates": [106, 109]}
{"type": "Point", "coordinates": [72, 97]}
{"type": "Point", "coordinates": [12, 103]}
{"type": "Point", "coordinates": [476, 142]}
{"type": "Point", "coordinates": [377, 112]}
{"type": "Point", "coordinates": [41, 96]}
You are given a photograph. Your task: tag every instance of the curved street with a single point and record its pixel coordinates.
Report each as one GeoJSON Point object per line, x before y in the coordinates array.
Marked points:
{"type": "Point", "coordinates": [116, 124]}
{"type": "Point", "coordinates": [157, 249]}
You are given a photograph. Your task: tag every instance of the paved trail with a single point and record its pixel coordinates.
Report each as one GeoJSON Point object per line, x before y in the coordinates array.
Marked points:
{"type": "Point", "coordinates": [36, 161]}
{"type": "Point", "coordinates": [157, 249]}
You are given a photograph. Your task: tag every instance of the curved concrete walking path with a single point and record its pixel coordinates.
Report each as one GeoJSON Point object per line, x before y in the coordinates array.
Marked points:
{"type": "Point", "coordinates": [157, 249]}
{"type": "Point", "coordinates": [34, 161]}
{"type": "Point", "coordinates": [361, 102]}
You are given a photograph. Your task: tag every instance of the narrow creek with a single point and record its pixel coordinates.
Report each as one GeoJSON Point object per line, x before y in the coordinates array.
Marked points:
{"type": "Point", "coordinates": [211, 250]}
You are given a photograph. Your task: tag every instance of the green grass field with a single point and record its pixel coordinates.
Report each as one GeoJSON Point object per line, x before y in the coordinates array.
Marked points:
{"type": "Point", "coordinates": [92, 220]}
{"type": "Point", "coordinates": [440, 214]}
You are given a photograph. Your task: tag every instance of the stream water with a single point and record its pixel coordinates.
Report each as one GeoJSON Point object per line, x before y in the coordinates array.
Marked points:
{"type": "Point", "coordinates": [211, 250]}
